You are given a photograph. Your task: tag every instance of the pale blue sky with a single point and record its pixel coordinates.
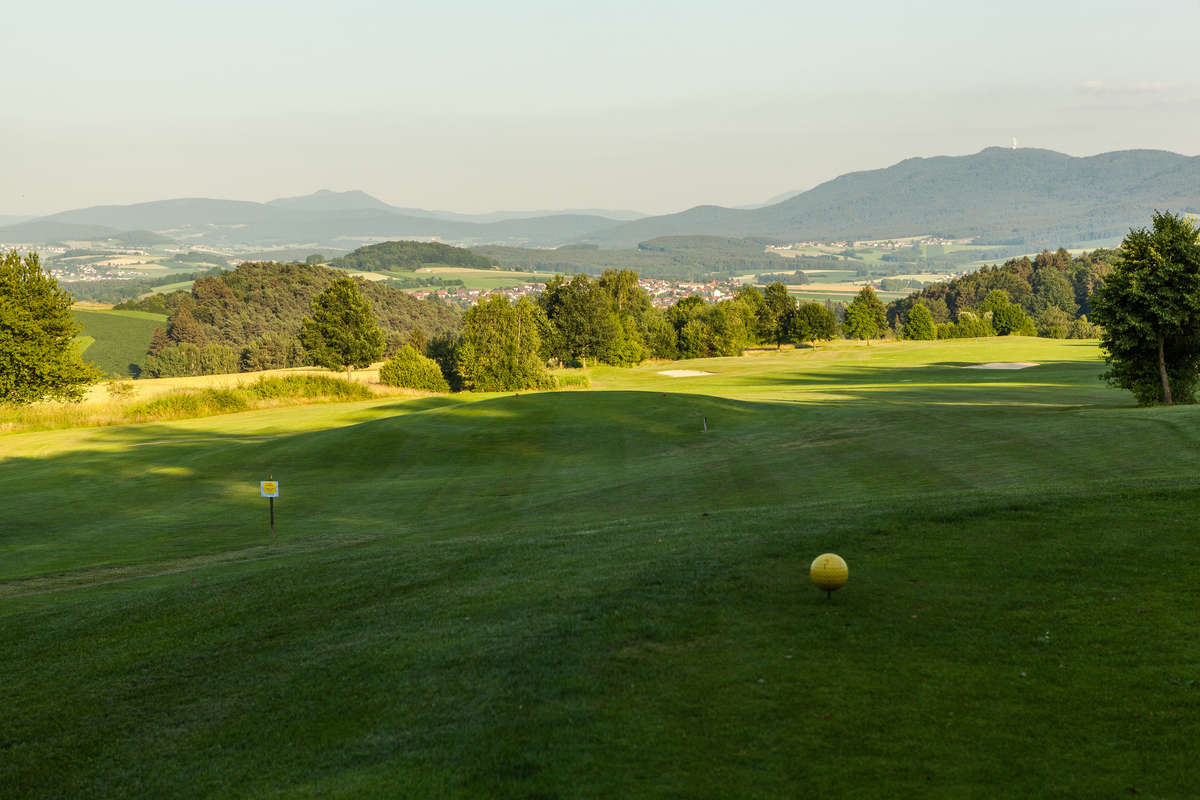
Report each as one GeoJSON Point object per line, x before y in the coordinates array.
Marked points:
{"type": "Point", "coordinates": [473, 106]}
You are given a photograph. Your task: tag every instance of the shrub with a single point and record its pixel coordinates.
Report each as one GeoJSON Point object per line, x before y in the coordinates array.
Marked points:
{"type": "Point", "coordinates": [572, 381]}
{"type": "Point", "coordinates": [411, 370]}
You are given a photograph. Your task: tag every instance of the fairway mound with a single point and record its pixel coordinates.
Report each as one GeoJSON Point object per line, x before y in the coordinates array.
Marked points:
{"type": "Point", "coordinates": [683, 373]}
{"type": "Point", "coordinates": [1004, 365]}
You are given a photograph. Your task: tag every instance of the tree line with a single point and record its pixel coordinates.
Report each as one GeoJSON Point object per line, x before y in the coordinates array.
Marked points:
{"type": "Point", "coordinates": [250, 319]}
{"type": "Point", "coordinates": [1145, 297]}
{"type": "Point", "coordinates": [1049, 295]}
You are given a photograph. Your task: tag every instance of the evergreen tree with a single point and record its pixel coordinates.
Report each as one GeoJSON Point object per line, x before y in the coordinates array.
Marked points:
{"type": "Point", "coordinates": [342, 333]}
{"type": "Point", "coordinates": [38, 359]}
{"type": "Point", "coordinates": [919, 324]}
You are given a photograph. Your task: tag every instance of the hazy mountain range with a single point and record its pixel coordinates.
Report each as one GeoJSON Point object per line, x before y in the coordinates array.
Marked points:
{"type": "Point", "coordinates": [1021, 197]}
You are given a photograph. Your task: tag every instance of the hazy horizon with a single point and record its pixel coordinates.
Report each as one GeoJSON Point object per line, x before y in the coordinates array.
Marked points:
{"type": "Point", "coordinates": [474, 109]}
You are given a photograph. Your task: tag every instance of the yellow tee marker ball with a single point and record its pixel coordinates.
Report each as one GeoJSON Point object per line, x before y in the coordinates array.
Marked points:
{"type": "Point", "coordinates": [829, 571]}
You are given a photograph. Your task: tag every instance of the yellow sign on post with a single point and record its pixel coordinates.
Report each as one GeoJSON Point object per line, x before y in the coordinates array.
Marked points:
{"type": "Point", "coordinates": [270, 490]}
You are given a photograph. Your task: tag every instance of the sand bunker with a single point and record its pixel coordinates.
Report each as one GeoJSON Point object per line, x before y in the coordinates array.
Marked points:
{"type": "Point", "coordinates": [683, 373]}
{"type": "Point", "coordinates": [1004, 365]}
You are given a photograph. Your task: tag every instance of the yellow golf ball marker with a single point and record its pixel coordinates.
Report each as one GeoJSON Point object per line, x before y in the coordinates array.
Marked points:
{"type": "Point", "coordinates": [829, 572]}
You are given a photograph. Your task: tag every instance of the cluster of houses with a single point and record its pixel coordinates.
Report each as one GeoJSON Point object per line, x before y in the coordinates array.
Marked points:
{"type": "Point", "coordinates": [663, 294]}
{"type": "Point", "coordinates": [877, 244]}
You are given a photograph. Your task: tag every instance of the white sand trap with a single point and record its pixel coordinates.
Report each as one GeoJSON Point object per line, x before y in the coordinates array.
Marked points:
{"type": "Point", "coordinates": [684, 373]}
{"type": "Point", "coordinates": [1004, 365]}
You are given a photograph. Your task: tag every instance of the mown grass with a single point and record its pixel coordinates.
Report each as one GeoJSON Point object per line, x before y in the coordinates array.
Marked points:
{"type": "Point", "coordinates": [584, 594]}
{"type": "Point", "coordinates": [121, 337]}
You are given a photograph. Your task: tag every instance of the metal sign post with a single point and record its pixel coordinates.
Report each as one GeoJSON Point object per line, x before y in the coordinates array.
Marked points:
{"type": "Point", "coordinates": [270, 490]}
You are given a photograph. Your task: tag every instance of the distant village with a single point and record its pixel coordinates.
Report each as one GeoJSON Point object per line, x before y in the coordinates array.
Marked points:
{"type": "Point", "coordinates": [663, 294]}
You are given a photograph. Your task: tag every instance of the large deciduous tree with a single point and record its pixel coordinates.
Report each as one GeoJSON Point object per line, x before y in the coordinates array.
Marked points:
{"type": "Point", "coordinates": [866, 316]}
{"type": "Point", "coordinates": [499, 347]}
{"type": "Point", "coordinates": [813, 322]}
{"type": "Point", "coordinates": [1149, 306]}
{"type": "Point", "coordinates": [342, 333]}
{"type": "Point", "coordinates": [776, 313]}
{"type": "Point", "coordinates": [38, 359]}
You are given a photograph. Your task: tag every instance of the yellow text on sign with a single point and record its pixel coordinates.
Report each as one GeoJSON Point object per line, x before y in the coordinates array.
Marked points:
{"type": "Point", "coordinates": [268, 488]}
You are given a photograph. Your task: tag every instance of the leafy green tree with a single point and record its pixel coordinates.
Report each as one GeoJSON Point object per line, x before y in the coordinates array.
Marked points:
{"type": "Point", "coordinates": [580, 312]}
{"type": "Point", "coordinates": [1083, 329]}
{"type": "Point", "coordinates": [1006, 316]}
{"type": "Point", "coordinates": [1149, 306]}
{"type": "Point", "coordinates": [342, 333]}
{"type": "Point", "coordinates": [813, 322]}
{"type": "Point", "coordinates": [1053, 323]}
{"type": "Point", "coordinates": [625, 296]}
{"type": "Point", "coordinates": [919, 324]}
{"type": "Point", "coordinates": [38, 359]}
{"type": "Point", "coordinates": [1052, 288]}
{"type": "Point", "coordinates": [693, 339]}
{"type": "Point", "coordinates": [411, 370]}
{"type": "Point", "coordinates": [499, 350]}
{"type": "Point", "coordinates": [775, 318]}
{"type": "Point", "coordinates": [753, 309]}
{"type": "Point", "coordinates": [660, 336]}
{"type": "Point", "coordinates": [866, 316]}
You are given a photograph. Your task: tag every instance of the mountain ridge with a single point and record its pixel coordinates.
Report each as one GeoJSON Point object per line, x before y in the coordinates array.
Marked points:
{"type": "Point", "coordinates": [1030, 197]}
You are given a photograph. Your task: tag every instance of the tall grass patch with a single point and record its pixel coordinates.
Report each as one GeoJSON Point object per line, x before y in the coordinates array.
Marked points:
{"type": "Point", "coordinates": [312, 387]}
{"type": "Point", "coordinates": [120, 408]}
{"type": "Point", "coordinates": [195, 403]}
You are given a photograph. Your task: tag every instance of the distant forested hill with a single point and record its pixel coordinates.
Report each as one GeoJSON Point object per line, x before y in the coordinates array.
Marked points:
{"type": "Point", "coordinates": [1024, 198]}
{"type": "Point", "coordinates": [667, 257]}
{"type": "Point", "coordinates": [250, 318]}
{"type": "Point", "coordinates": [322, 222]}
{"type": "Point", "coordinates": [407, 256]}
{"type": "Point", "coordinates": [1033, 198]}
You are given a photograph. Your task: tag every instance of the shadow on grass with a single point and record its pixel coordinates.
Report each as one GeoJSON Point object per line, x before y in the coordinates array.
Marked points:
{"type": "Point", "coordinates": [1057, 384]}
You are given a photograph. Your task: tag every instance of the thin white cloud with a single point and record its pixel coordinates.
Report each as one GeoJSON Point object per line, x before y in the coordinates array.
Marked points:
{"type": "Point", "coordinates": [1130, 87]}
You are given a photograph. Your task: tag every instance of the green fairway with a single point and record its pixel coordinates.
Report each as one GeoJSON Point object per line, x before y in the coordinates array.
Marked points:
{"type": "Point", "coordinates": [121, 337]}
{"type": "Point", "coordinates": [587, 594]}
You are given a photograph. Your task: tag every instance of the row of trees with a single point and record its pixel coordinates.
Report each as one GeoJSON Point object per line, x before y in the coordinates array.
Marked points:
{"type": "Point", "coordinates": [1052, 292]}
{"type": "Point", "coordinates": [251, 318]}
{"type": "Point", "coordinates": [1147, 302]}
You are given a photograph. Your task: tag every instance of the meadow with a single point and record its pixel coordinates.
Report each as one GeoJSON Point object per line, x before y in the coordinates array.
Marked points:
{"type": "Point", "coordinates": [119, 338]}
{"type": "Point", "coordinates": [587, 594]}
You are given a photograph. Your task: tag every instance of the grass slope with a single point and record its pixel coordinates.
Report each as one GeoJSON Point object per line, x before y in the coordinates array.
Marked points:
{"type": "Point", "coordinates": [121, 337]}
{"type": "Point", "coordinates": [584, 594]}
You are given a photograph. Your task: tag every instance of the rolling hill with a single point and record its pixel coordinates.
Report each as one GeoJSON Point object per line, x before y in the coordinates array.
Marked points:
{"type": "Point", "coordinates": [1027, 197]}
{"type": "Point", "coordinates": [236, 222]}
{"type": "Point", "coordinates": [1035, 198]}
{"type": "Point", "coordinates": [585, 594]}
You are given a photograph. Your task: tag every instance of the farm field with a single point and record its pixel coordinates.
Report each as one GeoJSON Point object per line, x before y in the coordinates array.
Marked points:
{"type": "Point", "coordinates": [486, 278]}
{"type": "Point", "coordinates": [120, 338]}
{"type": "Point", "coordinates": [586, 594]}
